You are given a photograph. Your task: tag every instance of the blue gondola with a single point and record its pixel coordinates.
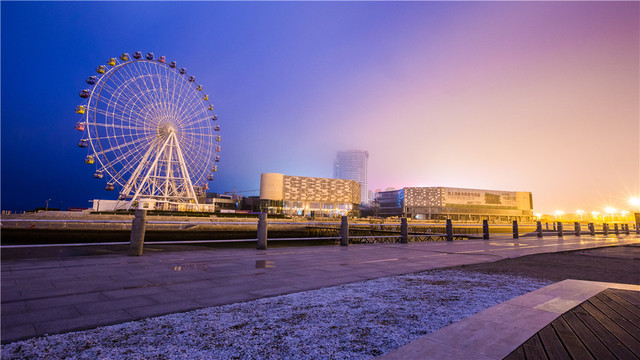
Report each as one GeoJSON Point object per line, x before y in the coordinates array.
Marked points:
{"type": "Point", "coordinates": [85, 94]}
{"type": "Point", "coordinates": [92, 80]}
{"type": "Point", "coordinates": [183, 71]}
{"type": "Point", "coordinates": [149, 56]}
{"type": "Point", "coordinates": [83, 143]}
{"type": "Point", "coordinates": [192, 78]}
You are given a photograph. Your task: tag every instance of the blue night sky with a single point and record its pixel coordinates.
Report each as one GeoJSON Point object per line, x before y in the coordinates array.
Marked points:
{"type": "Point", "coordinates": [478, 95]}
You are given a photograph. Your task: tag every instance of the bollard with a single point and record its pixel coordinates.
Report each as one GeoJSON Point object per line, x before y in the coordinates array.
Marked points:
{"type": "Point", "coordinates": [576, 226]}
{"type": "Point", "coordinates": [638, 227]}
{"type": "Point", "coordinates": [616, 229]}
{"type": "Point", "coordinates": [592, 228]}
{"type": "Point", "coordinates": [605, 229]}
{"type": "Point", "coordinates": [560, 227]}
{"type": "Point", "coordinates": [626, 229]}
{"type": "Point", "coordinates": [404, 231]}
{"type": "Point", "coordinates": [138, 227]}
{"type": "Point", "coordinates": [449, 230]}
{"type": "Point", "coordinates": [539, 228]}
{"type": "Point", "coordinates": [485, 229]}
{"type": "Point", "coordinates": [547, 225]}
{"type": "Point", "coordinates": [516, 233]}
{"type": "Point", "coordinates": [344, 231]}
{"type": "Point", "coordinates": [554, 227]}
{"type": "Point", "coordinates": [262, 231]}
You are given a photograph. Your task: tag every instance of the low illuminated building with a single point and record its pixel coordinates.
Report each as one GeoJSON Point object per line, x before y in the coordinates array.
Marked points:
{"type": "Point", "coordinates": [308, 196]}
{"type": "Point", "coordinates": [440, 203]}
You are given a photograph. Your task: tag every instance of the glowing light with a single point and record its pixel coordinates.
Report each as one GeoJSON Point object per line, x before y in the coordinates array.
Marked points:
{"type": "Point", "coordinates": [538, 215]}
{"type": "Point", "coordinates": [559, 214]}
{"type": "Point", "coordinates": [635, 202]}
{"type": "Point", "coordinates": [580, 212]}
{"type": "Point", "coordinates": [610, 210]}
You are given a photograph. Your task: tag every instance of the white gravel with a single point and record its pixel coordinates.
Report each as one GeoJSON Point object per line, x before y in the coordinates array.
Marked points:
{"type": "Point", "coordinates": [354, 321]}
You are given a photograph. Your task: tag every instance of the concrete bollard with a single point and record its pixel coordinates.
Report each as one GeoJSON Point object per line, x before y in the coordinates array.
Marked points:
{"type": "Point", "coordinates": [485, 229]}
{"type": "Point", "coordinates": [539, 228]}
{"type": "Point", "coordinates": [449, 230]}
{"type": "Point", "coordinates": [577, 228]}
{"type": "Point", "coordinates": [626, 229]}
{"type": "Point", "coordinates": [616, 229]}
{"type": "Point", "coordinates": [605, 229]}
{"type": "Point", "coordinates": [138, 228]}
{"type": "Point", "coordinates": [344, 231]}
{"type": "Point", "coordinates": [554, 227]}
{"type": "Point", "coordinates": [404, 231]}
{"type": "Point", "coordinates": [592, 228]}
{"type": "Point", "coordinates": [262, 231]}
{"type": "Point", "coordinates": [546, 225]}
{"type": "Point", "coordinates": [516, 232]}
{"type": "Point", "coordinates": [560, 228]}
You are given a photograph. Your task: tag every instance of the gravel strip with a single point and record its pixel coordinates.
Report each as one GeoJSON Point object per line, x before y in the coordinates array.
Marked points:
{"type": "Point", "coordinates": [353, 321]}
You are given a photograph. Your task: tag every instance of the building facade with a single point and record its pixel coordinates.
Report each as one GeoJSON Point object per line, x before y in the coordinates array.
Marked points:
{"type": "Point", "coordinates": [352, 165]}
{"type": "Point", "coordinates": [308, 196]}
{"type": "Point", "coordinates": [440, 203]}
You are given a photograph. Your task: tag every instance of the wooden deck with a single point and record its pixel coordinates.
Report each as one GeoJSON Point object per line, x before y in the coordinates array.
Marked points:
{"type": "Point", "coordinates": [607, 326]}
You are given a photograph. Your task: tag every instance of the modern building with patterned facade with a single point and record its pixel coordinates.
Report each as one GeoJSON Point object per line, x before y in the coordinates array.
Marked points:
{"type": "Point", "coordinates": [440, 203]}
{"type": "Point", "coordinates": [308, 196]}
{"type": "Point", "coordinates": [352, 165]}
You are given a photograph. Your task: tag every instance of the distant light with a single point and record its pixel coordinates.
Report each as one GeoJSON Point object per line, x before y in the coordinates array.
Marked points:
{"type": "Point", "coordinates": [609, 210]}
{"type": "Point", "coordinates": [559, 212]}
{"type": "Point", "coordinates": [595, 213]}
{"type": "Point", "coordinates": [634, 201]}
{"type": "Point", "coordinates": [580, 212]}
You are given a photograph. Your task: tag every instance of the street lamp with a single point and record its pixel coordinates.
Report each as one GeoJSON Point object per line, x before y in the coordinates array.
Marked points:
{"type": "Point", "coordinates": [635, 201]}
{"type": "Point", "coordinates": [609, 210]}
{"type": "Point", "coordinates": [624, 214]}
{"type": "Point", "coordinates": [580, 212]}
{"type": "Point", "coordinates": [538, 215]}
{"type": "Point", "coordinates": [559, 214]}
{"type": "Point", "coordinates": [595, 215]}
{"type": "Point", "coordinates": [46, 209]}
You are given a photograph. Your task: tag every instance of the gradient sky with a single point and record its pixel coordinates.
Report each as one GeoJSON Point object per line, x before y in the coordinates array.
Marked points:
{"type": "Point", "coordinates": [528, 96]}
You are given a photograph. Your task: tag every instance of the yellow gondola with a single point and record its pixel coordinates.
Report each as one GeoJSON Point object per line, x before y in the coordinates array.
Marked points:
{"type": "Point", "coordinates": [218, 138]}
{"type": "Point", "coordinates": [112, 62]}
{"type": "Point", "coordinates": [101, 69]}
{"type": "Point", "coordinates": [199, 87]}
{"type": "Point", "coordinates": [210, 107]}
{"type": "Point", "coordinates": [80, 109]}
{"type": "Point", "coordinates": [89, 160]}
{"type": "Point", "coordinates": [124, 57]}
{"type": "Point", "coordinates": [206, 97]}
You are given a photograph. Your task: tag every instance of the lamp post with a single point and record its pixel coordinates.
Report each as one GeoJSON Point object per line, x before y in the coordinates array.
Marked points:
{"type": "Point", "coordinates": [609, 210]}
{"type": "Point", "coordinates": [595, 215]}
{"type": "Point", "coordinates": [580, 212]}
{"type": "Point", "coordinates": [559, 214]}
{"type": "Point", "coordinates": [46, 208]}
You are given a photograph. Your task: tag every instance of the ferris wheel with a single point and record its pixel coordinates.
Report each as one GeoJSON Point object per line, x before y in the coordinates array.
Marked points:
{"type": "Point", "coordinates": [149, 130]}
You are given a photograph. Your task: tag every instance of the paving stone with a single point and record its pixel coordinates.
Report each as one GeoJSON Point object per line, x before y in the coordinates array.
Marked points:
{"type": "Point", "coordinates": [162, 309]}
{"type": "Point", "coordinates": [14, 307]}
{"type": "Point", "coordinates": [123, 293]}
{"type": "Point", "coordinates": [54, 302]}
{"type": "Point", "coordinates": [83, 322]}
{"type": "Point", "coordinates": [13, 333]}
{"type": "Point", "coordinates": [33, 317]}
{"type": "Point", "coordinates": [112, 305]}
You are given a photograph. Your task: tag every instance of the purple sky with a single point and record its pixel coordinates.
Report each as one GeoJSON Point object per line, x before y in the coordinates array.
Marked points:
{"type": "Point", "coordinates": [530, 96]}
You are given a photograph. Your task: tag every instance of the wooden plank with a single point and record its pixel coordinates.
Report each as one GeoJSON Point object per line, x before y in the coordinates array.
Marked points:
{"type": "Point", "coordinates": [628, 326]}
{"type": "Point", "coordinates": [590, 341]}
{"type": "Point", "coordinates": [533, 349]}
{"type": "Point", "coordinates": [552, 344]}
{"type": "Point", "coordinates": [621, 335]}
{"type": "Point", "coordinates": [572, 343]}
{"type": "Point", "coordinates": [622, 306]}
{"type": "Point", "coordinates": [606, 337]}
{"type": "Point", "coordinates": [517, 354]}
{"type": "Point", "coordinates": [631, 296]}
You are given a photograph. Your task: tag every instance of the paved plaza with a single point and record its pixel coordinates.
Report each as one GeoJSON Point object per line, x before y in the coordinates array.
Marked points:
{"type": "Point", "coordinates": [48, 296]}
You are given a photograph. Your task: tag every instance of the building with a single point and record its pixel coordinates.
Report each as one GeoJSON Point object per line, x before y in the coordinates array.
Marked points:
{"type": "Point", "coordinates": [352, 165]}
{"type": "Point", "coordinates": [440, 203]}
{"type": "Point", "coordinates": [308, 196]}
